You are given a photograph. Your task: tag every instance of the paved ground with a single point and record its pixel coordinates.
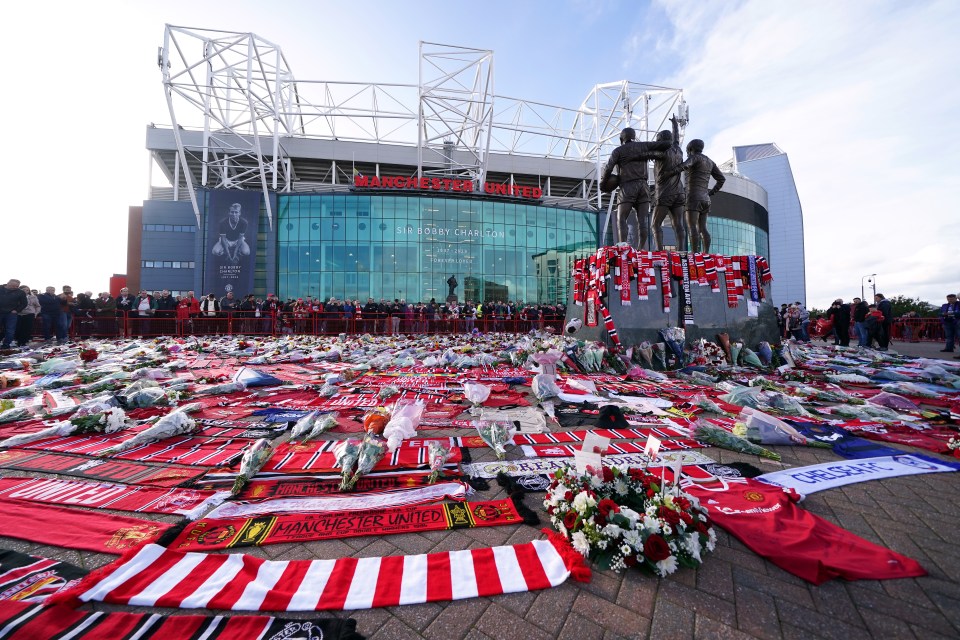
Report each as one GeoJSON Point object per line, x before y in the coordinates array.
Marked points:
{"type": "Point", "coordinates": [734, 594]}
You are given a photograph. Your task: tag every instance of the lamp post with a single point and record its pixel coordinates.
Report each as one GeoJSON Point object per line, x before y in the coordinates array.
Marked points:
{"type": "Point", "coordinates": [870, 277]}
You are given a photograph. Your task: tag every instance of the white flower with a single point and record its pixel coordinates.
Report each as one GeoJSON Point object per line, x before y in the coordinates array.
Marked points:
{"type": "Point", "coordinates": [595, 481]}
{"type": "Point", "coordinates": [580, 543]}
{"type": "Point", "coordinates": [693, 545]}
{"type": "Point", "coordinates": [667, 529]}
{"type": "Point", "coordinates": [633, 539]}
{"type": "Point", "coordinates": [583, 501]}
{"type": "Point", "coordinates": [667, 566]}
{"type": "Point", "coordinates": [620, 487]}
{"type": "Point", "coordinates": [711, 540]}
{"type": "Point", "coordinates": [652, 510]}
{"type": "Point", "coordinates": [652, 525]}
{"type": "Point", "coordinates": [625, 549]}
{"type": "Point", "coordinates": [630, 515]}
{"type": "Point", "coordinates": [612, 531]}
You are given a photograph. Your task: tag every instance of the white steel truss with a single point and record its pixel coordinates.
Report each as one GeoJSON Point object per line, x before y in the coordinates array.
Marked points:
{"type": "Point", "coordinates": [249, 104]}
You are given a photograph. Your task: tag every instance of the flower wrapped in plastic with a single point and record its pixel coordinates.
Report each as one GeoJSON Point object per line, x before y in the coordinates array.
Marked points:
{"type": "Point", "coordinates": [783, 404]}
{"type": "Point", "coordinates": [547, 360]}
{"type": "Point", "coordinates": [220, 389]}
{"type": "Point", "coordinates": [544, 386]}
{"type": "Point", "coordinates": [674, 338]}
{"type": "Point", "coordinates": [735, 349]}
{"type": "Point", "coordinates": [621, 519]}
{"type": "Point", "coordinates": [254, 457]}
{"type": "Point", "coordinates": [496, 435]}
{"type": "Point", "coordinates": [345, 454]}
{"type": "Point", "coordinates": [645, 352]}
{"type": "Point", "coordinates": [750, 358]}
{"type": "Point", "coordinates": [404, 419]}
{"type": "Point", "coordinates": [765, 352]}
{"type": "Point", "coordinates": [15, 414]}
{"type": "Point", "coordinates": [701, 401]}
{"type": "Point", "coordinates": [476, 394]}
{"type": "Point", "coordinates": [762, 428]}
{"type": "Point", "coordinates": [659, 355]}
{"type": "Point", "coordinates": [372, 450]}
{"type": "Point", "coordinates": [175, 423]}
{"type": "Point", "coordinates": [717, 437]}
{"type": "Point", "coordinates": [438, 454]}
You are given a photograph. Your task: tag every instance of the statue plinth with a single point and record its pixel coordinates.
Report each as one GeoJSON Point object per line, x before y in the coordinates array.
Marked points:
{"type": "Point", "coordinates": [451, 298]}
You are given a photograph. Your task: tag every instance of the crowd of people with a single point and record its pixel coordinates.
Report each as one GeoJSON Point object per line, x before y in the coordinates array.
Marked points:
{"type": "Point", "coordinates": [871, 323]}
{"type": "Point", "coordinates": [57, 316]}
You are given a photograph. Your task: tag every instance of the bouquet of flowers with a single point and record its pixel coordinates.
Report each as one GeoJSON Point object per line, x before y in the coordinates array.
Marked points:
{"type": "Point", "coordinates": [108, 420]}
{"type": "Point", "coordinates": [346, 456]}
{"type": "Point", "coordinates": [645, 351]}
{"type": "Point", "coordinates": [254, 457]}
{"type": "Point", "coordinates": [674, 337]}
{"type": "Point", "coordinates": [89, 355]}
{"type": "Point", "coordinates": [372, 450]}
{"type": "Point", "coordinates": [403, 423]}
{"type": "Point", "coordinates": [388, 391]}
{"type": "Point", "coordinates": [623, 519]}
{"type": "Point", "coordinates": [438, 455]}
{"type": "Point", "coordinates": [717, 437]}
{"type": "Point", "coordinates": [496, 435]}
{"type": "Point", "coordinates": [477, 394]}
{"type": "Point", "coordinates": [175, 423]}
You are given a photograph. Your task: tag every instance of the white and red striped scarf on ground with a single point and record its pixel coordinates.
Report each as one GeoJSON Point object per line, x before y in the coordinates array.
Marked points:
{"type": "Point", "coordinates": [158, 577]}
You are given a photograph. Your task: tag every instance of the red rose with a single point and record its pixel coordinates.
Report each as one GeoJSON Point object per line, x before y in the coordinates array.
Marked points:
{"type": "Point", "coordinates": [635, 473]}
{"type": "Point", "coordinates": [656, 548]}
{"type": "Point", "coordinates": [703, 527]}
{"type": "Point", "coordinates": [686, 517]}
{"type": "Point", "coordinates": [651, 493]}
{"type": "Point", "coordinates": [682, 502]}
{"type": "Point", "coordinates": [569, 520]}
{"type": "Point", "coordinates": [630, 561]}
{"type": "Point", "coordinates": [606, 507]}
{"type": "Point", "coordinates": [607, 474]}
{"type": "Point", "coordinates": [672, 517]}
{"type": "Point", "coordinates": [568, 496]}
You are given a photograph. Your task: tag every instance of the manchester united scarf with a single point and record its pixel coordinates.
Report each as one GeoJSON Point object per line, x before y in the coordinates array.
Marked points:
{"type": "Point", "coordinates": [21, 620]}
{"type": "Point", "coordinates": [314, 487]}
{"type": "Point", "coordinates": [31, 579]}
{"type": "Point", "coordinates": [540, 466]}
{"type": "Point", "coordinates": [312, 457]}
{"type": "Point", "coordinates": [556, 450]}
{"type": "Point", "coordinates": [765, 518]}
{"type": "Point", "coordinates": [208, 534]}
{"type": "Point", "coordinates": [201, 452]}
{"type": "Point", "coordinates": [611, 328]}
{"type": "Point", "coordinates": [75, 528]}
{"type": "Point", "coordinates": [665, 286]}
{"type": "Point", "coordinates": [159, 577]}
{"type": "Point", "coordinates": [98, 469]}
{"type": "Point", "coordinates": [344, 502]}
{"type": "Point", "coordinates": [559, 437]}
{"type": "Point", "coordinates": [184, 502]}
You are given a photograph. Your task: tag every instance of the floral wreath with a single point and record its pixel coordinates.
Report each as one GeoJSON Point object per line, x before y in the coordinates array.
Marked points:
{"type": "Point", "coordinates": [627, 519]}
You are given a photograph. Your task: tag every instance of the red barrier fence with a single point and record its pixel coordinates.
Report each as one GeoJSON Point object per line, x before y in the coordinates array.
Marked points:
{"type": "Point", "coordinates": [917, 330]}
{"type": "Point", "coordinates": [249, 324]}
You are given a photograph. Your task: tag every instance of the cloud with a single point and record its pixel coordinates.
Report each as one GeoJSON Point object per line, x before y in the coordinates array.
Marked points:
{"type": "Point", "coordinates": [859, 100]}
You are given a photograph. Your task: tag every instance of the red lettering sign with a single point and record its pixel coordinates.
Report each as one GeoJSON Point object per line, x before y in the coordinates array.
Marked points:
{"type": "Point", "coordinates": [444, 184]}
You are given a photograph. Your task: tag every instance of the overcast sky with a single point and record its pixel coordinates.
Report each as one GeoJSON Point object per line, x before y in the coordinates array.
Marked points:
{"type": "Point", "coordinates": [862, 96]}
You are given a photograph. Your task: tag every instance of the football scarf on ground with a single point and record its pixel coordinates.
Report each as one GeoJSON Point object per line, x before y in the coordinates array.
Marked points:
{"type": "Point", "coordinates": [21, 620]}
{"type": "Point", "coordinates": [237, 429]}
{"type": "Point", "coordinates": [560, 437]}
{"type": "Point", "coordinates": [829, 475]}
{"type": "Point", "coordinates": [559, 450]}
{"type": "Point", "coordinates": [158, 577]}
{"type": "Point", "coordinates": [98, 469]}
{"type": "Point", "coordinates": [200, 452]}
{"type": "Point", "coordinates": [75, 528]}
{"type": "Point", "coordinates": [540, 466]}
{"type": "Point", "coordinates": [313, 487]}
{"type": "Point", "coordinates": [844, 445]}
{"type": "Point", "coordinates": [344, 502]}
{"type": "Point", "coordinates": [185, 502]}
{"type": "Point", "coordinates": [315, 458]}
{"type": "Point", "coordinates": [208, 534]}
{"type": "Point", "coordinates": [31, 579]}
{"type": "Point", "coordinates": [764, 518]}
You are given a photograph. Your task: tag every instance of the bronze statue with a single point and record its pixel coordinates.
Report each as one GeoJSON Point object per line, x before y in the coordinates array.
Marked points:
{"type": "Point", "coordinates": [669, 197]}
{"type": "Point", "coordinates": [699, 170]}
{"type": "Point", "coordinates": [631, 158]}
{"type": "Point", "coordinates": [452, 283]}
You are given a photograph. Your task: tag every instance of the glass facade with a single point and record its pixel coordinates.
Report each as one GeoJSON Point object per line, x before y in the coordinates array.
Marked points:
{"type": "Point", "coordinates": [394, 246]}
{"type": "Point", "coordinates": [735, 238]}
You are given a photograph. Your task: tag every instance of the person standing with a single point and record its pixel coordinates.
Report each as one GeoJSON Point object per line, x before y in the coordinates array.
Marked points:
{"type": "Point", "coordinates": [12, 302]}
{"type": "Point", "coordinates": [187, 308]}
{"type": "Point", "coordinates": [68, 306]}
{"type": "Point", "coordinates": [948, 316]}
{"type": "Point", "coordinates": [860, 310]}
{"type": "Point", "coordinates": [50, 313]}
{"type": "Point", "coordinates": [840, 314]}
{"type": "Point", "coordinates": [885, 307]}
{"type": "Point", "coordinates": [26, 317]}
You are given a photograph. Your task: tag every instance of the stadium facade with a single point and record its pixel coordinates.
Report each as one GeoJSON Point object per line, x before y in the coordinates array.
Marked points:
{"type": "Point", "coordinates": [357, 190]}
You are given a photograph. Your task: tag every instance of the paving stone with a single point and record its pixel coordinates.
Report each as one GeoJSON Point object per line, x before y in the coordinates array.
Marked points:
{"type": "Point", "coordinates": [605, 584]}
{"type": "Point", "coordinates": [756, 613]}
{"type": "Point", "coordinates": [708, 629]}
{"type": "Point", "coordinates": [474, 634]}
{"type": "Point", "coordinates": [671, 620]}
{"type": "Point", "coordinates": [882, 626]}
{"type": "Point", "coordinates": [772, 586]}
{"type": "Point", "coordinates": [547, 611]}
{"type": "Point", "coordinates": [393, 629]}
{"type": "Point", "coordinates": [736, 558]}
{"type": "Point", "coordinates": [950, 607]}
{"type": "Point", "coordinates": [816, 624]}
{"type": "Point", "coordinates": [417, 616]}
{"type": "Point", "coordinates": [698, 601]}
{"type": "Point", "coordinates": [715, 576]}
{"type": "Point", "coordinates": [884, 604]}
{"type": "Point", "coordinates": [907, 590]}
{"type": "Point", "coordinates": [503, 624]}
{"type": "Point", "coordinates": [519, 603]}
{"type": "Point", "coordinates": [638, 592]}
{"type": "Point", "coordinates": [608, 615]}
{"type": "Point", "coordinates": [832, 599]}
{"type": "Point", "coordinates": [577, 627]}
{"type": "Point", "coordinates": [456, 619]}
{"type": "Point", "coordinates": [369, 621]}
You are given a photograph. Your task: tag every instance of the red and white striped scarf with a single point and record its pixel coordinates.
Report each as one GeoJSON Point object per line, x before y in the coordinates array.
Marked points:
{"type": "Point", "coordinates": [610, 327]}
{"type": "Point", "coordinates": [159, 577]}
{"type": "Point", "coordinates": [665, 285]}
{"type": "Point", "coordinates": [699, 269]}
{"type": "Point", "coordinates": [579, 281]}
{"type": "Point", "coordinates": [710, 267]}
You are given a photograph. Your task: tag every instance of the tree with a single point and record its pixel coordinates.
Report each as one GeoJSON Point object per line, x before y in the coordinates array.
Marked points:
{"type": "Point", "coordinates": [903, 305]}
